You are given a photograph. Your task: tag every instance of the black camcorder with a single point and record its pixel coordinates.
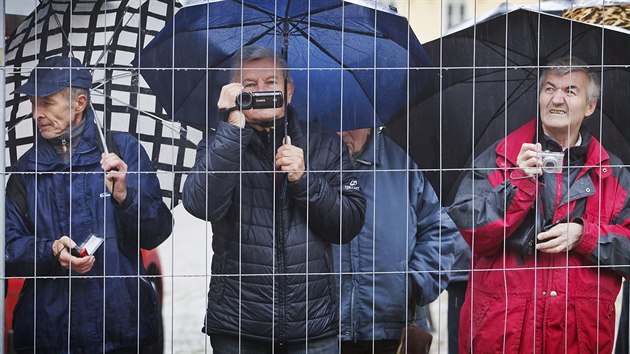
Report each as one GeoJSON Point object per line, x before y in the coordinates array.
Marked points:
{"type": "Point", "coordinates": [259, 100]}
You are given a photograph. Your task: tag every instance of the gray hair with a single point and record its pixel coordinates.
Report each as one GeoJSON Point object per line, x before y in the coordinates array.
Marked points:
{"type": "Point", "coordinates": [72, 93]}
{"type": "Point", "coordinates": [256, 53]}
{"type": "Point", "coordinates": [564, 65]}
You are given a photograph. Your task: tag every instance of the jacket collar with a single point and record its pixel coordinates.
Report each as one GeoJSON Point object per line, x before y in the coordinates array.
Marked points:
{"type": "Point", "coordinates": [510, 147]}
{"type": "Point", "coordinates": [294, 129]}
{"type": "Point", "coordinates": [370, 155]}
{"type": "Point", "coordinates": [44, 156]}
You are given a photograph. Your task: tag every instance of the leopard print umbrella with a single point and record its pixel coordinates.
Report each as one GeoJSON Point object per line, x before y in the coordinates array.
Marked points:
{"type": "Point", "coordinates": [609, 15]}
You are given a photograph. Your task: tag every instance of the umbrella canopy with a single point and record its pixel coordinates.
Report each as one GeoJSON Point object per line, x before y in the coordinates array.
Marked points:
{"type": "Point", "coordinates": [353, 66]}
{"type": "Point", "coordinates": [488, 87]}
{"type": "Point", "coordinates": [104, 35]}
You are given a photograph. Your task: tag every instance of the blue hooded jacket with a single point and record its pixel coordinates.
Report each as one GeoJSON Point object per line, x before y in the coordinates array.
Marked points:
{"type": "Point", "coordinates": [412, 239]}
{"type": "Point", "coordinates": [99, 310]}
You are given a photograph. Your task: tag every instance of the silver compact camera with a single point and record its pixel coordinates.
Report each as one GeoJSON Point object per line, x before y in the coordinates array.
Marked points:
{"type": "Point", "coordinates": [551, 161]}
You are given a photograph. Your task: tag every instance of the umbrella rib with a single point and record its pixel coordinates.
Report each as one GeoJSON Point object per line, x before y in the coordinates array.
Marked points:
{"type": "Point", "coordinates": [304, 14]}
{"type": "Point", "coordinates": [343, 66]}
{"type": "Point", "coordinates": [116, 32]}
{"type": "Point", "coordinates": [168, 124]}
{"type": "Point", "coordinates": [63, 33]}
{"type": "Point", "coordinates": [235, 25]}
{"type": "Point", "coordinates": [315, 43]}
{"type": "Point", "coordinates": [305, 18]}
{"type": "Point", "coordinates": [492, 46]}
{"type": "Point", "coordinates": [294, 24]}
{"type": "Point", "coordinates": [503, 107]}
{"type": "Point", "coordinates": [102, 83]}
{"type": "Point", "coordinates": [18, 120]}
{"type": "Point", "coordinates": [334, 28]}
{"type": "Point", "coordinates": [111, 38]}
{"type": "Point", "coordinates": [319, 46]}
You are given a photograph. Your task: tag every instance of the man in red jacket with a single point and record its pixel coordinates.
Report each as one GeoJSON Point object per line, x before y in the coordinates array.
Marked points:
{"type": "Point", "coordinates": [559, 299]}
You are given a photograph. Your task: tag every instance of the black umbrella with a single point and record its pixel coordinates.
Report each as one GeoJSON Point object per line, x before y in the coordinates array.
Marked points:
{"type": "Point", "coordinates": [487, 86]}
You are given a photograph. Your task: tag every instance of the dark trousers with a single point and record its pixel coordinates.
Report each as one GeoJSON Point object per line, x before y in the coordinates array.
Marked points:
{"type": "Point", "coordinates": [365, 347]}
{"type": "Point", "coordinates": [622, 346]}
{"type": "Point", "coordinates": [225, 344]}
{"type": "Point", "coordinates": [117, 351]}
{"type": "Point", "coordinates": [456, 295]}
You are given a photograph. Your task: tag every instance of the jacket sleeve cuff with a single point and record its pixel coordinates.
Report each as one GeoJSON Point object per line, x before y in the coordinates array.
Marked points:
{"type": "Point", "coordinates": [587, 243]}
{"type": "Point", "coordinates": [231, 139]}
{"type": "Point", "coordinates": [131, 195]}
{"type": "Point", "coordinates": [523, 182]}
{"type": "Point", "coordinates": [53, 259]}
{"type": "Point", "coordinates": [299, 188]}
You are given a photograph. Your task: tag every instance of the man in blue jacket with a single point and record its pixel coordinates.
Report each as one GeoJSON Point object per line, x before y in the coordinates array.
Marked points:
{"type": "Point", "coordinates": [407, 238]}
{"type": "Point", "coordinates": [63, 190]}
{"type": "Point", "coordinates": [276, 204]}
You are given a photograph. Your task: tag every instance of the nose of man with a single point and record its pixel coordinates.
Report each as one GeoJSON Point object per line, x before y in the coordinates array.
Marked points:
{"type": "Point", "coordinates": [38, 112]}
{"type": "Point", "coordinates": [558, 97]}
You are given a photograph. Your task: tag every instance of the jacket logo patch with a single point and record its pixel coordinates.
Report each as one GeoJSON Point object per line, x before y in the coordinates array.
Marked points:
{"type": "Point", "coordinates": [352, 185]}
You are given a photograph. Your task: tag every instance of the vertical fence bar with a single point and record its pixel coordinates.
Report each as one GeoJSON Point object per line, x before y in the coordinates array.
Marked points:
{"type": "Point", "coordinates": [2, 175]}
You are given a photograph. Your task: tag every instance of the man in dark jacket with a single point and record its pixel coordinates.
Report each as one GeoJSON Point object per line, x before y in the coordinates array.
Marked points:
{"type": "Point", "coordinates": [274, 216]}
{"type": "Point", "coordinates": [560, 299]}
{"type": "Point", "coordinates": [407, 239]}
{"type": "Point", "coordinates": [63, 190]}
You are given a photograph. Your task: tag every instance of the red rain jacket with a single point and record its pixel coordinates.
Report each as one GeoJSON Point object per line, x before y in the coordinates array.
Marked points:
{"type": "Point", "coordinates": [551, 302]}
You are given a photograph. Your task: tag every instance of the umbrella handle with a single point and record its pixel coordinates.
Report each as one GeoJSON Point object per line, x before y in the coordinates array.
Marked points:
{"type": "Point", "coordinates": [286, 107]}
{"type": "Point", "coordinates": [100, 127]}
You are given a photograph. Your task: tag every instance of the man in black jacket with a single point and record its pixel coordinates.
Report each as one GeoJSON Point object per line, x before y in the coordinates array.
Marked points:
{"type": "Point", "coordinates": [274, 215]}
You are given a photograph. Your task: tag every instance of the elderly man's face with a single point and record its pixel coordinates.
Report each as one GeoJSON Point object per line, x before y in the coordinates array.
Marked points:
{"type": "Point", "coordinates": [564, 102]}
{"type": "Point", "coordinates": [259, 76]}
{"type": "Point", "coordinates": [355, 140]}
{"type": "Point", "coordinates": [54, 113]}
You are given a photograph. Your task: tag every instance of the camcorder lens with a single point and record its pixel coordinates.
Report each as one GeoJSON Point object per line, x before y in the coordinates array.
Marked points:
{"type": "Point", "coordinates": [244, 100]}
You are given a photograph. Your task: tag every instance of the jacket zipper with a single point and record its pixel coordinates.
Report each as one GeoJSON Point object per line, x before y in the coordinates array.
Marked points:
{"type": "Point", "coordinates": [354, 332]}
{"type": "Point", "coordinates": [281, 277]}
{"type": "Point", "coordinates": [281, 266]}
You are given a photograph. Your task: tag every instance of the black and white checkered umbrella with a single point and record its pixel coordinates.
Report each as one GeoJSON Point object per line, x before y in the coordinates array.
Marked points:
{"type": "Point", "coordinates": [105, 35]}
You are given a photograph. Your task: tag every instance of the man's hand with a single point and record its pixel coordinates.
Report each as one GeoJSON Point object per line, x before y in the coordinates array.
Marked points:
{"type": "Point", "coordinates": [290, 159]}
{"type": "Point", "coordinates": [528, 159]}
{"type": "Point", "coordinates": [116, 175]}
{"type": "Point", "coordinates": [227, 100]}
{"type": "Point", "coordinates": [61, 250]}
{"type": "Point", "coordinates": [560, 238]}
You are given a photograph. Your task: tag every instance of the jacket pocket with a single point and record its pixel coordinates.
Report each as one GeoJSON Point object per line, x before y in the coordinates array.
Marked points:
{"type": "Point", "coordinates": [473, 313]}
{"type": "Point", "coordinates": [217, 281]}
{"type": "Point", "coordinates": [595, 329]}
{"type": "Point", "coordinates": [500, 329]}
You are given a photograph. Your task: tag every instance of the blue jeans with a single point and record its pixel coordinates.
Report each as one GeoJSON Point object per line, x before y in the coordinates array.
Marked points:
{"type": "Point", "coordinates": [222, 344]}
